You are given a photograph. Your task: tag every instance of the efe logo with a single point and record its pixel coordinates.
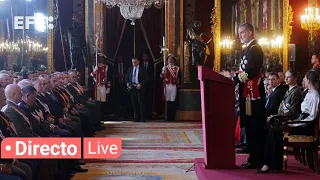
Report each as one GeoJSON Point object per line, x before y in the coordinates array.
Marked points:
{"type": "Point", "coordinates": [40, 22]}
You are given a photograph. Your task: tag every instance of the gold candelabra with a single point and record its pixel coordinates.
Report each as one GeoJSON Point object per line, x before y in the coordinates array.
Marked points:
{"type": "Point", "coordinates": [226, 45]}
{"type": "Point", "coordinates": [13, 50]}
{"type": "Point", "coordinates": [226, 48]}
{"type": "Point", "coordinates": [310, 21]}
{"type": "Point", "coordinates": [272, 47]}
{"type": "Point", "coordinates": [271, 44]}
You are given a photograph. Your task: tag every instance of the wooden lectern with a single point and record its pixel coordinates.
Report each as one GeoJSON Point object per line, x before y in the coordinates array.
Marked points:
{"type": "Point", "coordinates": [218, 119]}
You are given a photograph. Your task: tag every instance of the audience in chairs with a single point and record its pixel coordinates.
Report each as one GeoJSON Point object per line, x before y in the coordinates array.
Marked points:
{"type": "Point", "coordinates": [273, 153]}
{"type": "Point", "coordinates": [45, 106]}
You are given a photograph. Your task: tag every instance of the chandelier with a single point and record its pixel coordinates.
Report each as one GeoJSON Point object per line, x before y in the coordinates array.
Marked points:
{"type": "Point", "coordinates": [131, 9]}
{"type": "Point", "coordinates": [310, 21]}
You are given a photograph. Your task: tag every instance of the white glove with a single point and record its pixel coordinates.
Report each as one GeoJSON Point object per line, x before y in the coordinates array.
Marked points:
{"type": "Point", "coordinates": [95, 69]}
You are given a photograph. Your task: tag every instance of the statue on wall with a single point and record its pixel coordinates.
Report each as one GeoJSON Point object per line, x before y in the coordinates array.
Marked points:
{"type": "Point", "coordinates": [198, 49]}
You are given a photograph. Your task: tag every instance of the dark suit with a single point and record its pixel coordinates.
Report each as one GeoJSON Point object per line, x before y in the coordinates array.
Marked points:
{"type": "Point", "coordinates": [275, 100]}
{"type": "Point", "coordinates": [251, 65]}
{"type": "Point", "coordinates": [41, 127]}
{"type": "Point", "coordinates": [24, 129]}
{"type": "Point", "coordinates": [149, 88]}
{"type": "Point", "coordinates": [123, 99]}
{"type": "Point", "coordinates": [137, 95]}
{"type": "Point", "coordinates": [292, 101]}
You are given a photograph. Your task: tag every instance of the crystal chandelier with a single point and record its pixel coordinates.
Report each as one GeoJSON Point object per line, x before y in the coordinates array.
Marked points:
{"type": "Point", "coordinates": [131, 9]}
{"type": "Point", "coordinates": [310, 20]}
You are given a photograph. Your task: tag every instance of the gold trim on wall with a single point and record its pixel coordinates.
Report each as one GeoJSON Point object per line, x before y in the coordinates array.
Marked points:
{"type": "Point", "coordinates": [86, 21]}
{"type": "Point", "coordinates": [170, 26]}
{"type": "Point", "coordinates": [287, 31]}
{"type": "Point", "coordinates": [50, 42]}
{"type": "Point", "coordinates": [99, 13]}
{"type": "Point", "coordinates": [181, 38]}
{"type": "Point", "coordinates": [216, 33]}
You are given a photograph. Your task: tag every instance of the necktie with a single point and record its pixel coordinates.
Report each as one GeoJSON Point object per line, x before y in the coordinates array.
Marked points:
{"type": "Point", "coordinates": [134, 76]}
{"type": "Point", "coordinates": [267, 103]}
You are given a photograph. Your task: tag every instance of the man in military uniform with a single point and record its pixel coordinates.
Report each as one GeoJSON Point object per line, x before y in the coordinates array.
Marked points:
{"type": "Point", "coordinates": [252, 95]}
{"type": "Point", "coordinates": [172, 79]}
{"type": "Point", "coordinates": [315, 62]}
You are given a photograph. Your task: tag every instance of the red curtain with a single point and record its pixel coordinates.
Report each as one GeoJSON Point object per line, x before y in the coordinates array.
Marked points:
{"type": "Point", "coordinates": [113, 30]}
{"type": "Point", "coordinates": [152, 22]}
{"type": "Point", "coordinates": [152, 27]}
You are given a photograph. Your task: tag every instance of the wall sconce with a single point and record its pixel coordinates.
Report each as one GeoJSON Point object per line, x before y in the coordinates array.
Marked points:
{"type": "Point", "coordinates": [310, 21]}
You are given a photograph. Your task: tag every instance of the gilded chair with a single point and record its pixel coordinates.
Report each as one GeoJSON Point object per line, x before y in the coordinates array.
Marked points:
{"type": "Point", "coordinates": [308, 144]}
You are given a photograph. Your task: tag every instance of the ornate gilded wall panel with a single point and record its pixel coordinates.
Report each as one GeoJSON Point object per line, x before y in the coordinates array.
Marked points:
{"type": "Point", "coordinates": [181, 53]}
{"type": "Point", "coordinates": [50, 67]}
{"type": "Point", "coordinates": [99, 13]}
{"type": "Point", "coordinates": [216, 33]}
{"type": "Point", "coordinates": [287, 31]}
{"type": "Point", "coordinates": [170, 35]}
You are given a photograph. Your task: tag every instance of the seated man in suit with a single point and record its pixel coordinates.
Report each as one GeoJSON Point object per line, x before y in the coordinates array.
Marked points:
{"type": "Point", "coordinates": [15, 113]}
{"type": "Point", "coordinates": [276, 96]}
{"type": "Point", "coordinates": [136, 79]}
{"type": "Point", "coordinates": [16, 168]}
{"type": "Point", "coordinates": [48, 168]}
{"type": "Point", "coordinates": [79, 97]}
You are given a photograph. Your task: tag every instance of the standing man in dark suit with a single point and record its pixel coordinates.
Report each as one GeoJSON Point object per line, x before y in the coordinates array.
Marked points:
{"type": "Point", "coordinates": [148, 65]}
{"type": "Point", "coordinates": [122, 103]}
{"type": "Point", "coordinates": [136, 82]}
{"type": "Point", "coordinates": [252, 95]}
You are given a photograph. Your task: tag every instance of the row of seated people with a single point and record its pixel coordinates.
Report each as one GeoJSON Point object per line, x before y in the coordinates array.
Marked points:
{"type": "Point", "coordinates": [286, 99]}
{"type": "Point", "coordinates": [46, 106]}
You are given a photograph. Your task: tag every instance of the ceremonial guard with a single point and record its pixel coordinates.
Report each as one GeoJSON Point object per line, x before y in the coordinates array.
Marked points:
{"type": "Point", "coordinates": [252, 95]}
{"type": "Point", "coordinates": [101, 77]}
{"type": "Point", "coordinates": [172, 78]}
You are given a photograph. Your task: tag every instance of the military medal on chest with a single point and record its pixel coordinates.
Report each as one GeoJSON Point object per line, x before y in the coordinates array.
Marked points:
{"type": "Point", "coordinates": [243, 63]}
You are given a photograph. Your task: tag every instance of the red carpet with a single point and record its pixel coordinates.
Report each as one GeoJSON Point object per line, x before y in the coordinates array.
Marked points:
{"type": "Point", "coordinates": [296, 171]}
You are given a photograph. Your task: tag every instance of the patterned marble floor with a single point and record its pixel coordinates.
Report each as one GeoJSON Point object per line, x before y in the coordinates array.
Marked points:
{"type": "Point", "coordinates": [151, 151]}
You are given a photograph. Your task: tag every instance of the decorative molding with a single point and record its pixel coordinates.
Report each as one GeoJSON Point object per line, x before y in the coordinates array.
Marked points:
{"type": "Point", "coordinates": [170, 34]}
{"type": "Point", "coordinates": [50, 65]}
{"type": "Point", "coordinates": [243, 11]}
{"type": "Point", "coordinates": [99, 10]}
{"type": "Point", "coordinates": [216, 33]}
{"type": "Point", "coordinates": [181, 50]}
{"type": "Point", "coordinates": [86, 25]}
{"type": "Point", "coordinates": [287, 31]}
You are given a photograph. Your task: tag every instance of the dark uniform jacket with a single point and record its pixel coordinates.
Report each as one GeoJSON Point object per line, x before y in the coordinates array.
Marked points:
{"type": "Point", "coordinates": [21, 122]}
{"type": "Point", "coordinates": [275, 100]}
{"type": "Point", "coordinates": [291, 104]}
{"type": "Point", "coordinates": [250, 70]}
